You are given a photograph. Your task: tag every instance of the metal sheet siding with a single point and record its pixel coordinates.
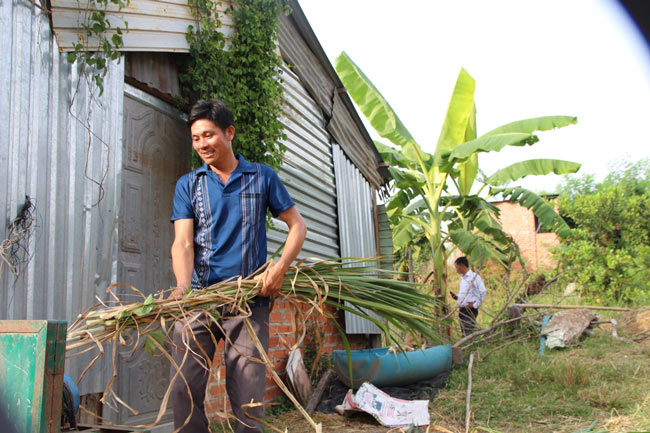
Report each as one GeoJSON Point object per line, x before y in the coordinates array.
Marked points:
{"type": "Point", "coordinates": [385, 239]}
{"type": "Point", "coordinates": [356, 225]}
{"type": "Point", "coordinates": [308, 173]}
{"type": "Point", "coordinates": [154, 25]}
{"type": "Point", "coordinates": [296, 49]}
{"type": "Point", "coordinates": [60, 144]}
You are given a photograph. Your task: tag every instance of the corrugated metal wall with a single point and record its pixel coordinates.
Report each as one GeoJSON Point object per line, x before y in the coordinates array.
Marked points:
{"type": "Point", "coordinates": [323, 85]}
{"type": "Point", "coordinates": [308, 173]}
{"type": "Point", "coordinates": [60, 145]}
{"type": "Point", "coordinates": [356, 225]}
{"type": "Point", "coordinates": [385, 239]}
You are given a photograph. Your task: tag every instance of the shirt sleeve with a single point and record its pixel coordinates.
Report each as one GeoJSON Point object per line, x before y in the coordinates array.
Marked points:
{"type": "Point", "coordinates": [278, 197]}
{"type": "Point", "coordinates": [182, 208]}
{"type": "Point", "coordinates": [481, 288]}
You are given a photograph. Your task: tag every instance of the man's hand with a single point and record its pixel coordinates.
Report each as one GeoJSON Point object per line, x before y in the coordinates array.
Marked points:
{"type": "Point", "coordinates": [272, 279]}
{"type": "Point", "coordinates": [177, 293]}
{"type": "Point", "coordinates": [470, 305]}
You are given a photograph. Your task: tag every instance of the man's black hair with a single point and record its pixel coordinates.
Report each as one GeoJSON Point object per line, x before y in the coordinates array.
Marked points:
{"type": "Point", "coordinates": [462, 261]}
{"type": "Point", "coordinates": [214, 110]}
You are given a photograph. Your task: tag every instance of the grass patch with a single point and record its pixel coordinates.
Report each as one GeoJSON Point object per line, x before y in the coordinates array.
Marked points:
{"type": "Point", "coordinates": [516, 389]}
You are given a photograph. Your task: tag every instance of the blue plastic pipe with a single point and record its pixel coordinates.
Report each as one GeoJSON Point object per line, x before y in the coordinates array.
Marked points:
{"type": "Point", "coordinates": [381, 368]}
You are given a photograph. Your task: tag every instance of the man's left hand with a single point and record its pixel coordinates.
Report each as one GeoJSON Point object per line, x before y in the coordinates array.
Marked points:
{"type": "Point", "coordinates": [272, 280]}
{"type": "Point", "coordinates": [470, 305]}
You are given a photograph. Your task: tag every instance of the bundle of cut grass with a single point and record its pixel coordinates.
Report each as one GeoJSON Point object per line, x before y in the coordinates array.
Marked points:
{"type": "Point", "coordinates": [353, 285]}
{"type": "Point", "coordinates": [403, 305]}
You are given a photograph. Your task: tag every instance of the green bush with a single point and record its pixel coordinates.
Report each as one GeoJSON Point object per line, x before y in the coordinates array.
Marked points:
{"type": "Point", "coordinates": [608, 252]}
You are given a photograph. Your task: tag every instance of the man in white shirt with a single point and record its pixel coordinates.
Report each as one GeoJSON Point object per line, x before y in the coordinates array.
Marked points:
{"type": "Point", "coordinates": [471, 294]}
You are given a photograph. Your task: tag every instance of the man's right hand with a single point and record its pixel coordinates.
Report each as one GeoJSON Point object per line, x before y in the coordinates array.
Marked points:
{"type": "Point", "coordinates": [177, 293]}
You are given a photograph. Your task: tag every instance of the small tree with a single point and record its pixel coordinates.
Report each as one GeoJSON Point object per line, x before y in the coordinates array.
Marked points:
{"type": "Point", "coordinates": [424, 200]}
{"type": "Point", "coordinates": [608, 251]}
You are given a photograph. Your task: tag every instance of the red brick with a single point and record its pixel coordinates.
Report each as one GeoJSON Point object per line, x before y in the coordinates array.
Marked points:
{"type": "Point", "coordinates": [284, 329]}
{"type": "Point", "coordinates": [519, 222]}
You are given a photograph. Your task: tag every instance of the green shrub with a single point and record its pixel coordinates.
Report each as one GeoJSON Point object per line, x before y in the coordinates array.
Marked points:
{"type": "Point", "coordinates": [608, 252]}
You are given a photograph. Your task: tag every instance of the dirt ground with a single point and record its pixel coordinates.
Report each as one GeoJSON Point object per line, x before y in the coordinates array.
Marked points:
{"type": "Point", "coordinates": [335, 423]}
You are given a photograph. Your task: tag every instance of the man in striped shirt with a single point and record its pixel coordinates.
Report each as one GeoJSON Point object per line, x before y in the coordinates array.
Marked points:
{"type": "Point", "coordinates": [219, 218]}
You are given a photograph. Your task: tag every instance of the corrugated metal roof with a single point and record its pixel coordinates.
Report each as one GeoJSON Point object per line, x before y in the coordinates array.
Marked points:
{"type": "Point", "coordinates": [302, 50]}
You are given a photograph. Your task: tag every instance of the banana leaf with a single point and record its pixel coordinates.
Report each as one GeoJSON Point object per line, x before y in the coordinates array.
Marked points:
{"type": "Point", "coordinates": [477, 248]}
{"type": "Point", "coordinates": [529, 126]}
{"type": "Point", "coordinates": [531, 167]}
{"type": "Point", "coordinates": [372, 103]}
{"type": "Point", "coordinates": [542, 210]}
{"type": "Point", "coordinates": [492, 143]}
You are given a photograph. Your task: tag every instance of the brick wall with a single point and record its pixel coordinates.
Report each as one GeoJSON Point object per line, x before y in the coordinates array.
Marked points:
{"type": "Point", "coordinates": [282, 330]}
{"type": "Point", "coordinates": [519, 223]}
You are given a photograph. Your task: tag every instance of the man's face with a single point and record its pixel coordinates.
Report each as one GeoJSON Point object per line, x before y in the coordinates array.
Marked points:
{"type": "Point", "coordinates": [459, 268]}
{"type": "Point", "coordinates": [212, 143]}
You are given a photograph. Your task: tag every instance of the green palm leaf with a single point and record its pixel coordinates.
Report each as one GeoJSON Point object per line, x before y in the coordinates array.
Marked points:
{"type": "Point", "coordinates": [531, 167]}
{"type": "Point", "coordinates": [469, 169]}
{"type": "Point", "coordinates": [492, 143]}
{"type": "Point", "coordinates": [459, 112]}
{"type": "Point", "coordinates": [372, 103]}
{"type": "Point", "coordinates": [477, 248]}
{"type": "Point", "coordinates": [529, 126]}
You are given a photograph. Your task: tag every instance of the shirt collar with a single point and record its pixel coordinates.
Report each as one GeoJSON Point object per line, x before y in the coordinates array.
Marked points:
{"type": "Point", "coordinates": [468, 274]}
{"type": "Point", "coordinates": [243, 166]}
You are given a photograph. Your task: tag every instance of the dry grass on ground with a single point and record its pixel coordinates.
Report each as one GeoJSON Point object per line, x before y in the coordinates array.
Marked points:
{"type": "Point", "coordinates": [601, 385]}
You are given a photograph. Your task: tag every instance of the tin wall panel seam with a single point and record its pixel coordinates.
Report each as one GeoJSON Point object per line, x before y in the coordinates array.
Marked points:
{"type": "Point", "coordinates": [356, 224]}
{"type": "Point", "coordinates": [38, 127]}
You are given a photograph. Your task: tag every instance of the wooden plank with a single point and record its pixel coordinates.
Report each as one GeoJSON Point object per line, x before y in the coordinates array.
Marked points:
{"type": "Point", "coordinates": [571, 307]}
{"type": "Point", "coordinates": [153, 25]}
{"type": "Point", "coordinates": [318, 392]}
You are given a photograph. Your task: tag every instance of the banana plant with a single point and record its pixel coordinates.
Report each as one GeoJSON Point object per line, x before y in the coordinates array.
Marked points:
{"type": "Point", "coordinates": [432, 192]}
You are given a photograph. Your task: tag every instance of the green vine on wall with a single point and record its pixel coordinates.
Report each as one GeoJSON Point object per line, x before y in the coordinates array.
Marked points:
{"type": "Point", "coordinates": [96, 28]}
{"type": "Point", "coordinates": [243, 71]}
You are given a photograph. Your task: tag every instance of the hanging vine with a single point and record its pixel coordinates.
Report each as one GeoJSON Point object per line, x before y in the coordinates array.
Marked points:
{"type": "Point", "coordinates": [108, 46]}
{"type": "Point", "coordinates": [243, 71]}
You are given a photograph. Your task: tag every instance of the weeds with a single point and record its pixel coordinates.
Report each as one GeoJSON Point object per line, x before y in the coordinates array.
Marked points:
{"type": "Point", "coordinates": [517, 390]}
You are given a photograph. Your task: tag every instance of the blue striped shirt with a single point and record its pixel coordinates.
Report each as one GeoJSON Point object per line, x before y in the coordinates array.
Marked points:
{"type": "Point", "coordinates": [230, 219]}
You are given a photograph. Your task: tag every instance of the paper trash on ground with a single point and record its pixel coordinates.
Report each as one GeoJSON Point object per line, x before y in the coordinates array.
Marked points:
{"type": "Point", "coordinates": [389, 411]}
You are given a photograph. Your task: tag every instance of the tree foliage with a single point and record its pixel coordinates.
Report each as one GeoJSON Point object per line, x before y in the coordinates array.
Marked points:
{"type": "Point", "coordinates": [608, 251]}
{"type": "Point", "coordinates": [243, 71]}
{"type": "Point", "coordinates": [432, 193]}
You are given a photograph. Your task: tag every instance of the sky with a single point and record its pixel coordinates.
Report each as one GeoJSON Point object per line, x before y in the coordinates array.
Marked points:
{"type": "Point", "coordinates": [582, 58]}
